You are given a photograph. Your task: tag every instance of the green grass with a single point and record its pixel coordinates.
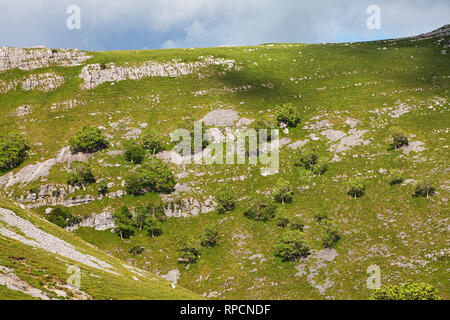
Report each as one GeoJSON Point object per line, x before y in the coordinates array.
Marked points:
{"type": "Point", "coordinates": [323, 83]}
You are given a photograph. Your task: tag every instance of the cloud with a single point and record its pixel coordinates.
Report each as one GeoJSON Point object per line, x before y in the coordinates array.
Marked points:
{"type": "Point", "coordinates": [135, 24]}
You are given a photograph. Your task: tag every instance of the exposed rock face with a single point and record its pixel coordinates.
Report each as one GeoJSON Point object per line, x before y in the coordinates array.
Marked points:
{"type": "Point", "coordinates": [66, 105]}
{"type": "Point", "coordinates": [34, 58]}
{"type": "Point", "coordinates": [38, 170]}
{"type": "Point", "coordinates": [96, 74]}
{"type": "Point", "coordinates": [42, 82]}
{"type": "Point", "coordinates": [9, 279]}
{"type": "Point", "coordinates": [22, 110]}
{"type": "Point", "coordinates": [102, 221]}
{"type": "Point", "coordinates": [188, 207]}
{"type": "Point", "coordinates": [6, 86]}
{"type": "Point", "coordinates": [35, 237]}
{"type": "Point", "coordinates": [220, 118]}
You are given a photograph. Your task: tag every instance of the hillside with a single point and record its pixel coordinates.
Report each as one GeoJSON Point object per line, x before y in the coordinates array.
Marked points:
{"type": "Point", "coordinates": [349, 97]}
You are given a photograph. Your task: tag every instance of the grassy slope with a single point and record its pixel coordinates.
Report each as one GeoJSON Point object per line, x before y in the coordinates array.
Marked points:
{"type": "Point", "coordinates": [410, 72]}
{"type": "Point", "coordinates": [44, 270]}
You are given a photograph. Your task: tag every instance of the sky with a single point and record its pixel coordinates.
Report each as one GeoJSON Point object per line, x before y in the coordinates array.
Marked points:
{"type": "Point", "coordinates": [154, 24]}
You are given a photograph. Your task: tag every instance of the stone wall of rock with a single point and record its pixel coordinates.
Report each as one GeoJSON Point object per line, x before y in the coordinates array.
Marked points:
{"type": "Point", "coordinates": [188, 207]}
{"type": "Point", "coordinates": [96, 74]}
{"type": "Point", "coordinates": [34, 58]}
{"type": "Point", "coordinates": [42, 82]}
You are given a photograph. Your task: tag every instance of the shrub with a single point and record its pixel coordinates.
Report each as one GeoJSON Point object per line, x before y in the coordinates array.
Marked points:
{"type": "Point", "coordinates": [292, 245]}
{"type": "Point", "coordinates": [81, 174]}
{"type": "Point", "coordinates": [62, 217]}
{"type": "Point", "coordinates": [225, 199]}
{"type": "Point", "coordinates": [188, 250]}
{"type": "Point", "coordinates": [321, 215]}
{"type": "Point", "coordinates": [210, 236]}
{"type": "Point", "coordinates": [88, 139]}
{"type": "Point", "coordinates": [260, 208]}
{"type": "Point", "coordinates": [102, 188]}
{"type": "Point", "coordinates": [330, 234]}
{"type": "Point", "coordinates": [153, 141]}
{"type": "Point", "coordinates": [424, 188]}
{"type": "Point", "coordinates": [282, 192]}
{"type": "Point", "coordinates": [282, 221]}
{"type": "Point", "coordinates": [13, 150]}
{"type": "Point", "coordinates": [134, 152]}
{"type": "Point", "coordinates": [398, 138]}
{"type": "Point", "coordinates": [286, 113]}
{"type": "Point", "coordinates": [123, 219]}
{"type": "Point", "coordinates": [355, 188]}
{"type": "Point", "coordinates": [153, 176]}
{"type": "Point", "coordinates": [395, 177]}
{"type": "Point", "coordinates": [153, 226]}
{"type": "Point", "coordinates": [308, 158]}
{"type": "Point", "coordinates": [137, 250]}
{"type": "Point", "coordinates": [296, 223]}
{"type": "Point", "coordinates": [407, 291]}
{"type": "Point", "coordinates": [321, 166]}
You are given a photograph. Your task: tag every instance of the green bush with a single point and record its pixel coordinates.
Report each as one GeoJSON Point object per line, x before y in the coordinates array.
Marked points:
{"type": "Point", "coordinates": [188, 250]}
{"type": "Point", "coordinates": [308, 158]}
{"type": "Point", "coordinates": [134, 152]}
{"type": "Point", "coordinates": [282, 221]}
{"type": "Point", "coordinates": [13, 150]}
{"type": "Point", "coordinates": [330, 234]}
{"type": "Point", "coordinates": [263, 124]}
{"type": "Point", "coordinates": [89, 139]}
{"type": "Point", "coordinates": [210, 236]}
{"type": "Point", "coordinates": [136, 250]}
{"type": "Point", "coordinates": [102, 188]}
{"type": "Point", "coordinates": [225, 199]}
{"type": "Point", "coordinates": [398, 138]}
{"type": "Point", "coordinates": [81, 174]}
{"type": "Point", "coordinates": [292, 245]}
{"type": "Point", "coordinates": [407, 291]}
{"type": "Point", "coordinates": [282, 192]}
{"type": "Point", "coordinates": [288, 114]}
{"type": "Point", "coordinates": [260, 208]}
{"type": "Point", "coordinates": [123, 219]}
{"type": "Point", "coordinates": [355, 188]}
{"type": "Point", "coordinates": [296, 223]}
{"type": "Point", "coordinates": [395, 177]}
{"type": "Point", "coordinates": [152, 226]}
{"type": "Point", "coordinates": [152, 176]}
{"type": "Point", "coordinates": [424, 188]}
{"type": "Point", "coordinates": [62, 217]}
{"type": "Point", "coordinates": [320, 215]}
{"type": "Point", "coordinates": [153, 141]}
{"type": "Point", "coordinates": [321, 166]}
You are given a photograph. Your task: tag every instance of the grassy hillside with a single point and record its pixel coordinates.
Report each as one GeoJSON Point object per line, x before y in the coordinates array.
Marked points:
{"type": "Point", "coordinates": [381, 85]}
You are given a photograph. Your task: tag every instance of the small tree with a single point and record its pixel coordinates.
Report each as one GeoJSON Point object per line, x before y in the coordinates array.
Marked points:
{"type": "Point", "coordinates": [424, 188]}
{"type": "Point", "coordinates": [102, 188]}
{"type": "Point", "coordinates": [210, 236]}
{"type": "Point", "coordinates": [225, 199]}
{"type": "Point", "coordinates": [153, 226]}
{"type": "Point", "coordinates": [282, 192]}
{"type": "Point", "coordinates": [153, 176]}
{"type": "Point", "coordinates": [188, 250]}
{"type": "Point", "coordinates": [123, 219]}
{"type": "Point", "coordinates": [13, 150]}
{"type": "Point", "coordinates": [407, 291]}
{"type": "Point", "coordinates": [286, 113]}
{"type": "Point", "coordinates": [395, 177]}
{"type": "Point", "coordinates": [153, 141]}
{"type": "Point", "coordinates": [321, 166]}
{"type": "Point", "coordinates": [292, 245]}
{"type": "Point", "coordinates": [88, 139]}
{"type": "Point", "coordinates": [260, 208]}
{"type": "Point", "coordinates": [134, 152]}
{"type": "Point", "coordinates": [398, 138]}
{"type": "Point", "coordinates": [296, 223]}
{"type": "Point", "coordinates": [308, 158]}
{"type": "Point", "coordinates": [282, 221]}
{"type": "Point", "coordinates": [156, 210]}
{"type": "Point", "coordinates": [330, 234]}
{"type": "Point", "coordinates": [62, 217]}
{"type": "Point", "coordinates": [81, 174]}
{"type": "Point", "coordinates": [355, 188]}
